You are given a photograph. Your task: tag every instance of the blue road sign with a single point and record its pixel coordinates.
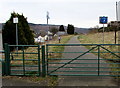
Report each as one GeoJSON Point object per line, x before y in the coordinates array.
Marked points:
{"type": "Point", "coordinates": [103, 20]}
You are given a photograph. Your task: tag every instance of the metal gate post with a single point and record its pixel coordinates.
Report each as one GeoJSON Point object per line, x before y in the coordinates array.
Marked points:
{"type": "Point", "coordinates": [7, 59]}
{"type": "Point", "coordinates": [46, 58]}
{"type": "Point", "coordinates": [43, 61]}
{"type": "Point", "coordinates": [23, 56]}
{"type": "Point", "coordinates": [39, 69]}
{"type": "Point", "coordinates": [98, 60]}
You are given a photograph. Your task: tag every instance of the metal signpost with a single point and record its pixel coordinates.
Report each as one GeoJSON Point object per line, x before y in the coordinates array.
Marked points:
{"type": "Point", "coordinates": [15, 20]}
{"type": "Point", "coordinates": [103, 20]}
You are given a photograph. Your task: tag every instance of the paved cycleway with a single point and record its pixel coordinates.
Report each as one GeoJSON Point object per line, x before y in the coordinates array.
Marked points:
{"type": "Point", "coordinates": [82, 80]}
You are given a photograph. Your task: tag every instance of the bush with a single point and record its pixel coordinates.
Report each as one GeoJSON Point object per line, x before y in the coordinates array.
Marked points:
{"type": "Point", "coordinates": [25, 35]}
{"type": "Point", "coordinates": [70, 29]}
{"type": "Point", "coordinates": [61, 28]}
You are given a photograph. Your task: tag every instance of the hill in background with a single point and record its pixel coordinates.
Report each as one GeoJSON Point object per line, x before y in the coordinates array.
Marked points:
{"type": "Point", "coordinates": [37, 28]}
{"type": "Point", "coordinates": [44, 27]}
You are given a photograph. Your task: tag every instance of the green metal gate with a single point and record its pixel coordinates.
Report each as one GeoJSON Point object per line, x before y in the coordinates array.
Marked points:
{"type": "Point", "coordinates": [22, 62]}
{"type": "Point", "coordinates": [95, 60]}
{"type": "Point", "coordinates": [81, 60]}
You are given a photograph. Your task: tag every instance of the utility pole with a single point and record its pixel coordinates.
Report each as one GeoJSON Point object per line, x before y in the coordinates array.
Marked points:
{"type": "Point", "coordinates": [116, 22]}
{"type": "Point", "coordinates": [47, 16]}
{"type": "Point", "coordinates": [117, 11]}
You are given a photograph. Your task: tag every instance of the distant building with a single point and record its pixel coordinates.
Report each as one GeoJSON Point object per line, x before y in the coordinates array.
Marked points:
{"type": "Point", "coordinates": [118, 10]}
{"type": "Point", "coordinates": [114, 23]}
{"type": "Point", "coordinates": [61, 33]}
{"type": "Point", "coordinates": [50, 33]}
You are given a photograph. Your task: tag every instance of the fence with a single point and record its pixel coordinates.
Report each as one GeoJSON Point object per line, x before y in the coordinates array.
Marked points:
{"type": "Point", "coordinates": [84, 60]}
{"type": "Point", "coordinates": [76, 60]}
{"type": "Point", "coordinates": [25, 62]}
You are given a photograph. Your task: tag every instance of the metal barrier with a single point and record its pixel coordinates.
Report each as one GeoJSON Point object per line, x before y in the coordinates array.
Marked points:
{"type": "Point", "coordinates": [84, 60]}
{"type": "Point", "coordinates": [76, 60]}
{"type": "Point", "coordinates": [24, 62]}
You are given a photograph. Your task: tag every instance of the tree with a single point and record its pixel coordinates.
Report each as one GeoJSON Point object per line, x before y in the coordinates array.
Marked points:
{"type": "Point", "coordinates": [54, 30]}
{"type": "Point", "coordinates": [25, 35]}
{"type": "Point", "coordinates": [61, 28]}
{"type": "Point", "coordinates": [70, 29]}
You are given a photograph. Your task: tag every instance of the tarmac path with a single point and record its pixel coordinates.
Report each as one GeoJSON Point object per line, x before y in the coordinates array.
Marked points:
{"type": "Point", "coordinates": [17, 82]}
{"type": "Point", "coordinates": [83, 80]}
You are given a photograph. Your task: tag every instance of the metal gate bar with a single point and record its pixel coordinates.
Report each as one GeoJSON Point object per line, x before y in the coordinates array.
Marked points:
{"type": "Point", "coordinates": [25, 68]}
{"type": "Point", "coordinates": [54, 67]}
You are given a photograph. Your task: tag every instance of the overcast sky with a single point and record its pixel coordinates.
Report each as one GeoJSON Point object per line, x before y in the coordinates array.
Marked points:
{"type": "Point", "coordinates": [80, 13]}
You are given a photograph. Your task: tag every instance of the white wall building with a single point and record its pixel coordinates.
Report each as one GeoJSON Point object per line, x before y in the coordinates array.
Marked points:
{"type": "Point", "coordinates": [118, 10]}
{"type": "Point", "coordinates": [41, 39]}
{"type": "Point", "coordinates": [118, 19]}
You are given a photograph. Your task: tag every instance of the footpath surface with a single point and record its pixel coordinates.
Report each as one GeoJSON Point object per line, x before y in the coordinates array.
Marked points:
{"type": "Point", "coordinates": [82, 80]}
{"type": "Point", "coordinates": [17, 82]}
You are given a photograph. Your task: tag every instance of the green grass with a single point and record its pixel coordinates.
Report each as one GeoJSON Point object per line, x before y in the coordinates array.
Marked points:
{"type": "Point", "coordinates": [26, 56]}
{"type": "Point", "coordinates": [64, 39]}
{"type": "Point", "coordinates": [48, 80]}
{"type": "Point", "coordinates": [97, 38]}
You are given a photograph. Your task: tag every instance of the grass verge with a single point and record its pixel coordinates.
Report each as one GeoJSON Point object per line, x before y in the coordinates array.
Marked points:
{"type": "Point", "coordinates": [97, 38]}
{"type": "Point", "coordinates": [46, 81]}
{"type": "Point", "coordinates": [64, 39]}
